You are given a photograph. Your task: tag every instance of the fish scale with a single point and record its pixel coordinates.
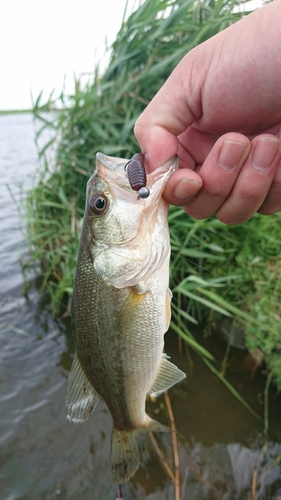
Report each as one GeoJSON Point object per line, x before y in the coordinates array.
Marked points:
{"type": "Point", "coordinates": [121, 308]}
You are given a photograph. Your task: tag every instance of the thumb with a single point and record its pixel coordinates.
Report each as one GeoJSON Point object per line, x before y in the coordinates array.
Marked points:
{"type": "Point", "coordinates": [171, 111]}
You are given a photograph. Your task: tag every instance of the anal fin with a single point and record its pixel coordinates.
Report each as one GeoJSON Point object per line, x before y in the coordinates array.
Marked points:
{"type": "Point", "coordinates": [81, 398]}
{"type": "Point", "coordinates": [167, 376]}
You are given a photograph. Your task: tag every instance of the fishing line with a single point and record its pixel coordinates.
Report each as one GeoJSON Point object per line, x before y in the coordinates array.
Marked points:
{"type": "Point", "coordinates": [119, 493]}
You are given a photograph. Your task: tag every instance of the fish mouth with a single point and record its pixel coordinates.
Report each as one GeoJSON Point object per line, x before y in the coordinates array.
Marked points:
{"type": "Point", "coordinates": [112, 162]}
{"type": "Point", "coordinates": [112, 170]}
{"type": "Point", "coordinates": [118, 164]}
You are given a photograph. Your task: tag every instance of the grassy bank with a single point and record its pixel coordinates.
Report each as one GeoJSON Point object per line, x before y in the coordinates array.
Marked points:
{"type": "Point", "coordinates": [216, 271]}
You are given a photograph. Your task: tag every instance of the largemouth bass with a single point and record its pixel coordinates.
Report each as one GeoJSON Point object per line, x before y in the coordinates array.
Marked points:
{"type": "Point", "coordinates": [121, 307]}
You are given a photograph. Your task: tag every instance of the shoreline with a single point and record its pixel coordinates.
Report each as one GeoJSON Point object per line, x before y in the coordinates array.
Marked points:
{"type": "Point", "coordinates": [14, 111]}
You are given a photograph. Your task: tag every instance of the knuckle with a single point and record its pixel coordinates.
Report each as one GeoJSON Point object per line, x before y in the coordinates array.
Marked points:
{"type": "Point", "coordinates": [249, 194]}
{"type": "Point", "coordinates": [217, 190]}
{"type": "Point", "coordinates": [272, 202]}
{"type": "Point", "coordinates": [138, 127]}
{"type": "Point", "coordinates": [196, 214]}
{"type": "Point", "coordinates": [270, 207]}
{"type": "Point", "coordinates": [230, 220]}
{"type": "Point", "coordinates": [268, 210]}
{"type": "Point", "coordinates": [276, 187]}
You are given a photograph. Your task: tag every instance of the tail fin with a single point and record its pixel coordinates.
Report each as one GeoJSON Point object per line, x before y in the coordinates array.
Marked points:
{"type": "Point", "coordinates": [125, 455]}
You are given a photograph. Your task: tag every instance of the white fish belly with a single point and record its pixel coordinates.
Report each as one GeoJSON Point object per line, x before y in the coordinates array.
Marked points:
{"type": "Point", "coordinates": [143, 345]}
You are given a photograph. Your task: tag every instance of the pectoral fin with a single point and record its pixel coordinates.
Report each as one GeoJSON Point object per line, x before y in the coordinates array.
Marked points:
{"type": "Point", "coordinates": [81, 398]}
{"type": "Point", "coordinates": [167, 376]}
{"type": "Point", "coordinates": [129, 312]}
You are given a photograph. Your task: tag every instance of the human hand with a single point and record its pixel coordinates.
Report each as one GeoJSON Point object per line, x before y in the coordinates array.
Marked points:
{"type": "Point", "coordinates": [220, 111]}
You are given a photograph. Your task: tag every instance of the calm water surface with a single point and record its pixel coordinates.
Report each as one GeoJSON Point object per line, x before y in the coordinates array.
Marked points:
{"type": "Point", "coordinates": [42, 456]}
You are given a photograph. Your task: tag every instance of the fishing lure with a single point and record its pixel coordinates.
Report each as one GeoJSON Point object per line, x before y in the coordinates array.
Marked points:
{"type": "Point", "coordinates": [137, 175]}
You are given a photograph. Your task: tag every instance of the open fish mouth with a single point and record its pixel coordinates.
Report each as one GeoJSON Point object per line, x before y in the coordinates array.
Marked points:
{"type": "Point", "coordinates": [113, 171]}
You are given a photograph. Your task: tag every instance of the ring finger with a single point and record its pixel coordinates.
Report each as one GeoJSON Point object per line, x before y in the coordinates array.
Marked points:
{"type": "Point", "coordinates": [254, 181]}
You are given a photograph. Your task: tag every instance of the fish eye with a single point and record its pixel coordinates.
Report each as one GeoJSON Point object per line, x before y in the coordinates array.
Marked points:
{"type": "Point", "coordinates": [98, 203]}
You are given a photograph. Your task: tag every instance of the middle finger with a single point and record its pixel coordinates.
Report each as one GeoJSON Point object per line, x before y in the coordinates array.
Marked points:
{"type": "Point", "coordinates": [219, 173]}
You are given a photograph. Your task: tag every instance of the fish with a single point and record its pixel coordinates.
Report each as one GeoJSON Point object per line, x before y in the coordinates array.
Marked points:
{"type": "Point", "coordinates": [121, 308]}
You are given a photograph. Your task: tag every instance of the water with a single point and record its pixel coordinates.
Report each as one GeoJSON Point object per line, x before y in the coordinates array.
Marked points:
{"type": "Point", "coordinates": [42, 456]}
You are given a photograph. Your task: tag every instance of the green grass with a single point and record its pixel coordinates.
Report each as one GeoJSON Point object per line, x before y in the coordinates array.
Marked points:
{"type": "Point", "coordinates": [216, 270]}
{"type": "Point", "coordinates": [232, 271]}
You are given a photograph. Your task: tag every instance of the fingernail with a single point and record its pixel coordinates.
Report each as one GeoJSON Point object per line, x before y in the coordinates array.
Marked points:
{"type": "Point", "coordinates": [231, 154]}
{"type": "Point", "coordinates": [185, 189]}
{"type": "Point", "coordinates": [264, 153]}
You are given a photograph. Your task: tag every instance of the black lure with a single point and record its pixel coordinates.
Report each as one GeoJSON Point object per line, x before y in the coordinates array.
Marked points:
{"type": "Point", "coordinates": [137, 175]}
